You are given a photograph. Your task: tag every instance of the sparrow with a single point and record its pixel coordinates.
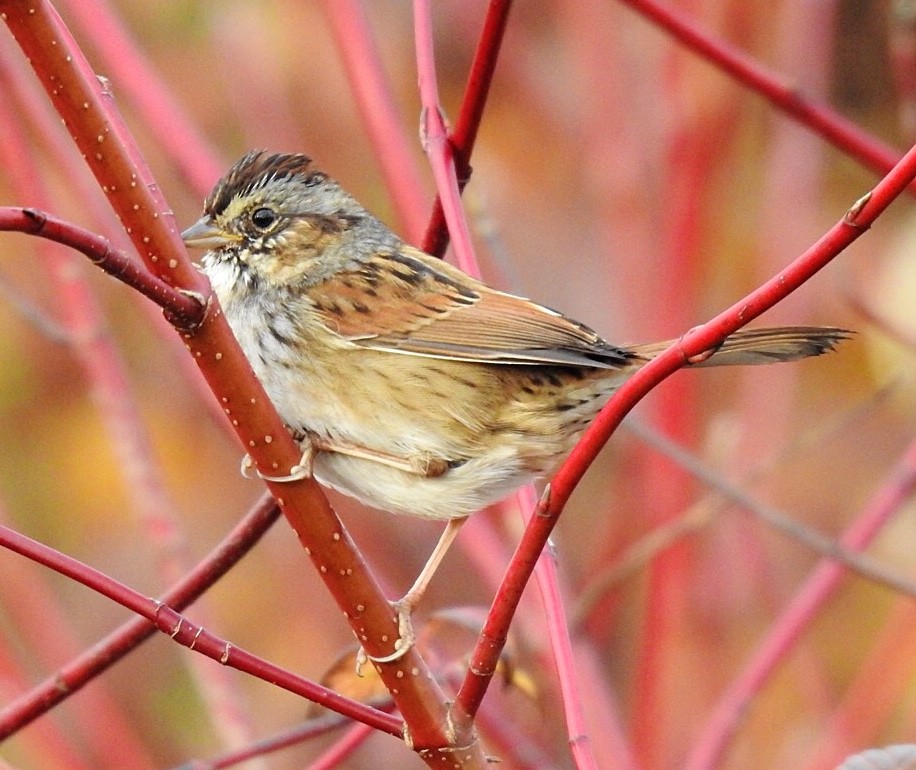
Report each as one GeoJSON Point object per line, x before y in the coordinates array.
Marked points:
{"type": "Point", "coordinates": [409, 384]}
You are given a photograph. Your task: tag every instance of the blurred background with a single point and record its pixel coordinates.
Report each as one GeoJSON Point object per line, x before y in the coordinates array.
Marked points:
{"type": "Point", "coordinates": [618, 178]}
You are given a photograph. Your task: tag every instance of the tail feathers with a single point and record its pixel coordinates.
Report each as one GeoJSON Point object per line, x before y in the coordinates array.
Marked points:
{"type": "Point", "coordinates": [763, 346]}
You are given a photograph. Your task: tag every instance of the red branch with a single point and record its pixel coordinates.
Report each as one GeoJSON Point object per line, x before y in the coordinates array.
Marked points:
{"type": "Point", "coordinates": [693, 345]}
{"type": "Point", "coordinates": [184, 310]}
{"type": "Point", "coordinates": [788, 628]}
{"type": "Point", "coordinates": [449, 180]}
{"type": "Point", "coordinates": [827, 123]}
{"type": "Point", "coordinates": [87, 108]}
{"type": "Point", "coordinates": [465, 134]}
{"type": "Point", "coordinates": [181, 630]}
{"type": "Point", "coordinates": [436, 142]}
{"type": "Point", "coordinates": [71, 677]}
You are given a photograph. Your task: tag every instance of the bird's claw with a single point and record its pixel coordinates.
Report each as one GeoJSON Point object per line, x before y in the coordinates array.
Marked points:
{"type": "Point", "coordinates": [301, 470]}
{"type": "Point", "coordinates": [402, 645]}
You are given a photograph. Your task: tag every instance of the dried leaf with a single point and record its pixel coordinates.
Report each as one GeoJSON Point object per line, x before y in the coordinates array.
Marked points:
{"type": "Point", "coordinates": [342, 678]}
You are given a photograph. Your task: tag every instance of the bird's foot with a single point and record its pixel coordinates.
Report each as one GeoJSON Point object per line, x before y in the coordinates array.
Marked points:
{"type": "Point", "coordinates": [402, 645]}
{"type": "Point", "coordinates": [301, 470]}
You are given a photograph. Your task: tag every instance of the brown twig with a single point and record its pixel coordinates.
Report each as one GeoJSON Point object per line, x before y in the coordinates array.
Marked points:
{"type": "Point", "coordinates": [699, 515]}
{"type": "Point", "coordinates": [310, 729]}
{"type": "Point", "coordinates": [822, 545]}
{"type": "Point", "coordinates": [33, 315]}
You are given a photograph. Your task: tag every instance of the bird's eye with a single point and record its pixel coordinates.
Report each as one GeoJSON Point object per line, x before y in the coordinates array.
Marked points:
{"type": "Point", "coordinates": [263, 218]}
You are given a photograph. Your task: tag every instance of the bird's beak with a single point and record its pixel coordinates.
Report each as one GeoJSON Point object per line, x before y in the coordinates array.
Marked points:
{"type": "Point", "coordinates": [204, 235]}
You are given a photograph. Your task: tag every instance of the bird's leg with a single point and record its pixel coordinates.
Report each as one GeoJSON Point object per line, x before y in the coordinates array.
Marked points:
{"type": "Point", "coordinates": [405, 606]}
{"type": "Point", "coordinates": [412, 598]}
{"type": "Point", "coordinates": [429, 467]}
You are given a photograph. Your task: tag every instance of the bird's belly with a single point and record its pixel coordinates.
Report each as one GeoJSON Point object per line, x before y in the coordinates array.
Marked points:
{"type": "Point", "coordinates": [368, 407]}
{"type": "Point", "coordinates": [393, 405]}
{"type": "Point", "coordinates": [458, 492]}
{"type": "Point", "coordinates": [489, 431]}
{"type": "Point", "coordinates": [521, 440]}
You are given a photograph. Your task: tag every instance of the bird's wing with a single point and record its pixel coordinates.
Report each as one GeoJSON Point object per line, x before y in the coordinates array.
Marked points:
{"type": "Point", "coordinates": [409, 302]}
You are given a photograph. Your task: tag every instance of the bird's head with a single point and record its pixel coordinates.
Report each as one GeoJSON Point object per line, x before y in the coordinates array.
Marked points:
{"type": "Point", "coordinates": [273, 218]}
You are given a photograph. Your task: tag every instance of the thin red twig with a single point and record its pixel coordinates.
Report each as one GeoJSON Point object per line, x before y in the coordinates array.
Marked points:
{"type": "Point", "coordinates": [181, 630]}
{"type": "Point", "coordinates": [186, 310]}
{"type": "Point", "coordinates": [561, 648]}
{"type": "Point", "coordinates": [820, 586]}
{"type": "Point", "coordinates": [464, 135]}
{"type": "Point", "coordinates": [71, 677]}
{"type": "Point", "coordinates": [375, 100]}
{"type": "Point", "coordinates": [443, 162]}
{"type": "Point", "coordinates": [436, 142]}
{"type": "Point", "coordinates": [573, 708]}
